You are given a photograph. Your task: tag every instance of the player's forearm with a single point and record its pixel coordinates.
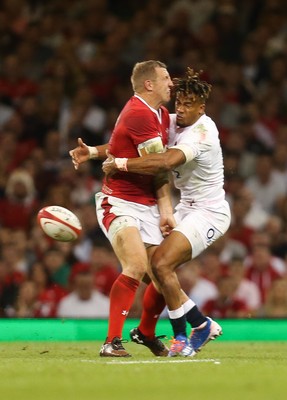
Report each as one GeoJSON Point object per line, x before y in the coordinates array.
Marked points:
{"type": "Point", "coordinates": [99, 152]}
{"type": "Point", "coordinates": [164, 197]}
{"type": "Point", "coordinates": [164, 201]}
{"type": "Point", "coordinates": [151, 165]}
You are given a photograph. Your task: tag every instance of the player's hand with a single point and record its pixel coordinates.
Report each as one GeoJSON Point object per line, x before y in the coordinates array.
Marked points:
{"type": "Point", "coordinates": [79, 154]}
{"type": "Point", "coordinates": [167, 223]}
{"type": "Point", "coordinates": [109, 167]}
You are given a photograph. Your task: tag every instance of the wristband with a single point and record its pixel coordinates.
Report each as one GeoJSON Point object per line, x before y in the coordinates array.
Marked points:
{"type": "Point", "coordinates": [93, 152]}
{"type": "Point", "coordinates": [121, 164]}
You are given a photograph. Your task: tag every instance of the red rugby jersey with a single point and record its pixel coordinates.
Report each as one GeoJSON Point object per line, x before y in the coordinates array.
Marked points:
{"type": "Point", "coordinates": [136, 124]}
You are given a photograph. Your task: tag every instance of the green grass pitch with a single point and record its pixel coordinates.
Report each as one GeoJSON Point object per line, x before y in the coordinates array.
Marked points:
{"type": "Point", "coordinates": [74, 370]}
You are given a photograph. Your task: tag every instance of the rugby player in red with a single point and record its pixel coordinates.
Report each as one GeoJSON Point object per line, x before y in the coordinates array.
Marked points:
{"type": "Point", "coordinates": [130, 206]}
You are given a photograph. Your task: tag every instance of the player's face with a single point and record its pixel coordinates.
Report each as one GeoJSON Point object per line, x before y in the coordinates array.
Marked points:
{"type": "Point", "coordinates": [188, 109]}
{"type": "Point", "coordinates": [162, 84]}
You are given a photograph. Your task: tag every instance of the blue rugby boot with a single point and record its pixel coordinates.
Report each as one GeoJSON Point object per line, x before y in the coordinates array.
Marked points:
{"type": "Point", "coordinates": [200, 336]}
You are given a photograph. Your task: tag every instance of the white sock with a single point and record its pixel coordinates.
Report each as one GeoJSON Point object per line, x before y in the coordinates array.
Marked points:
{"type": "Point", "coordinates": [174, 314]}
{"type": "Point", "coordinates": [188, 305]}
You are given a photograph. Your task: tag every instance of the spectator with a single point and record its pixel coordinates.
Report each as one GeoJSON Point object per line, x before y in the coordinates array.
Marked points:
{"type": "Point", "coordinates": [275, 230]}
{"type": "Point", "coordinates": [239, 230]}
{"type": "Point", "coordinates": [10, 283]}
{"type": "Point", "coordinates": [47, 175]}
{"type": "Point", "coordinates": [85, 185]}
{"type": "Point", "coordinates": [20, 202]}
{"type": "Point", "coordinates": [247, 130]}
{"type": "Point", "coordinates": [29, 110]}
{"type": "Point", "coordinates": [264, 239]}
{"type": "Point", "coordinates": [105, 266]}
{"type": "Point", "coordinates": [198, 288]}
{"type": "Point", "coordinates": [48, 293]}
{"type": "Point", "coordinates": [261, 267]}
{"type": "Point", "coordinates": [91, 232]}
{"type": "Point", "coordinates": [245, 290]}
{"type": "Point", "coordinates": [14, 152]}
{"type": "Point", "coordinates": [211, 266]}
{"type": "Point", "coordinates": [275, 305]}
{"type": "Point", "coordinates": [16, 251]}
{"type": "Point", "coordinates": [228, 249]}
{"type": "Point", "coordinates": [225, 305]}
{"type": "Point", "coordinates": [26, 300]}
{"type": "Point", "coordinates": [229, 37]}
{"type": "Point", "coordinates": [59, 194]}
{"type": "Point", "coordinates": [267, 185]}
{"type": "Point", "coordinates": [236, 144]}
{"type": "Point", "coordinates": [82, 119]}
{"type": "Point", "coordinates": [55, 262]}
{"type": "Point", "coordinates": [13, 83]}
{"type": "Point", "coordinates": [252, 212]}
{"type": "Point", "coordinates": [256, 217]}
{"type": "Point", "coordinates": [83, 301]}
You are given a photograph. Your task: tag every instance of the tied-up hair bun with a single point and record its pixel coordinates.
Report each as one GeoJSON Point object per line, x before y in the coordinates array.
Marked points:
{"type": "Point", "coordinates": [192, 84]}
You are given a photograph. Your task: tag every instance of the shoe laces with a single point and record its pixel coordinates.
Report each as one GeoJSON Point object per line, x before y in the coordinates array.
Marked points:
{"type": "Point", "coordinates": [158, 343]}
{"type": "Point", "coordinates": [145, 339]}
{"type": "Point", "coordinates": [117, 343]}
{"type": "Point", "coordinates": [177, 344]}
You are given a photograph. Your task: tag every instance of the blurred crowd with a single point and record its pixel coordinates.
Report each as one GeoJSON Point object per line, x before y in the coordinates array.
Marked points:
{"type": "Point", "coordinates": [64, 73]}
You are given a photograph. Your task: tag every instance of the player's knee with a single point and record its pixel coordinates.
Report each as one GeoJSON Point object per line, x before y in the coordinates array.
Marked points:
{"type": "Point", "coordinates": [160, 268]}
{"type": "Point", "coordinates": [135, 268]}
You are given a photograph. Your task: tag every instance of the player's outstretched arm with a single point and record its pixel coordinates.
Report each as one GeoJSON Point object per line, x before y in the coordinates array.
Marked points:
{"type": "Point", "coordinates": [83, 153]}
{"type": "Point", "coordinates": [150, 164]}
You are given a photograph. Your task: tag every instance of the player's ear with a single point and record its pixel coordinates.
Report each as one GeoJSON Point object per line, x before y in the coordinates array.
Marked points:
{"type": "Point", "coordinates": [148, 85]}
{"type": "Point", "coordinates": [202, 109]}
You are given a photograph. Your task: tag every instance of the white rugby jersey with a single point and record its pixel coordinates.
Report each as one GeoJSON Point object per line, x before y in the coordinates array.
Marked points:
{"type": "Point", "coordinates": [200, 179]}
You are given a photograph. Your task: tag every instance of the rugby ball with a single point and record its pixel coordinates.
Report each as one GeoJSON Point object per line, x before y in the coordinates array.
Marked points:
{"type": "Point", "coordinates": [59, 223]}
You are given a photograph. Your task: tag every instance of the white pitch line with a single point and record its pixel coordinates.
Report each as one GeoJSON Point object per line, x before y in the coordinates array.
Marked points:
{"type": "Point", "coordinates": [115, 362]}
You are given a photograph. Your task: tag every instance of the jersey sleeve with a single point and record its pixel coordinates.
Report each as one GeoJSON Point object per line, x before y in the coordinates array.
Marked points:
{"type": "Point", "coordinates": [189, 152]}
{"type": "Point", "coordinates": [194, 143]}
{"type": "Point", "coordinates": [153, 145]}
{"type": "Point", "coordinates": [144, 132]}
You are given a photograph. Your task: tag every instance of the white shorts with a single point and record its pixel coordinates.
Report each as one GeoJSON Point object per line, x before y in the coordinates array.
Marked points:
{"type": "Point", "coordinates": [202, 226]}
{"type": "Point", "coordinates": [114, 214]}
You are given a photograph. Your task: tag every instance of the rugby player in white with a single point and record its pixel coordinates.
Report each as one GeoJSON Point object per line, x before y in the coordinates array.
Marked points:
{"type": "Point", "coordinates": [203, 215]}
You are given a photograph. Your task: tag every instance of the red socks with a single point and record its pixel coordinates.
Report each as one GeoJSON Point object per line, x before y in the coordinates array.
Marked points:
{"type": "Point", "coordinates": [153, 305]}
{"type": "Point", "coordinates": [121, 299]}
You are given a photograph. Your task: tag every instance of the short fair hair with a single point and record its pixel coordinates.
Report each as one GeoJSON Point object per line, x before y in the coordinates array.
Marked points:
{"type": "Point", "coordinates": [143, 71]}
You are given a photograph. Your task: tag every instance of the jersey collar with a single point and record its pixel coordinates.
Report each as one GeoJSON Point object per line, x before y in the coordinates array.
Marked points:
{"type": "Point", "coordinates": [157, 112]}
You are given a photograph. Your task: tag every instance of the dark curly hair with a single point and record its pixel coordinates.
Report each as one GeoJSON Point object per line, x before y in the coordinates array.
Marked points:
{"type": "Point", "coordinates": [192, 85]}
